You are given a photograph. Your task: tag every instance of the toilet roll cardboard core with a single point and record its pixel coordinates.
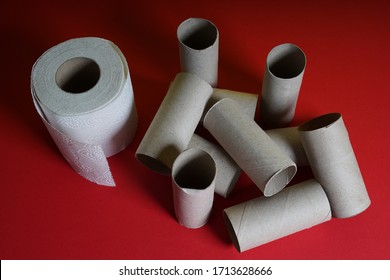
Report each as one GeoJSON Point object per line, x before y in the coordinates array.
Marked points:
{"type": "Point", "coordinates": [197, 33]}
{"type": "Point", "coordinates": [198, 173]}
{"type": "Point", "coordinates": [78, 75]}
{"type": "Point", "coordinates": [286, 61]}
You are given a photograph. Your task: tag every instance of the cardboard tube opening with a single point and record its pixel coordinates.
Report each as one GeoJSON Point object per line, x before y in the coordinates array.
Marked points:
{"type": "Point", "coordinates": [227, 170]}
{"type": "Point", "coordinates": [319, 122]}
{"type": "Point", "coordinates": [279, 180]}
{"type": "Point", "coordinates": [193, 183]}
{"type": "Point", "coordinates": [197, 33]}
{"type": "Point", "coordinates": [194, 170]}
{"type": "Point", "coordinates": [286, 61]}
{"type": "Point", "coordinates": [77, 75]}
{"type": "Point", "coordinates": [154, 164]}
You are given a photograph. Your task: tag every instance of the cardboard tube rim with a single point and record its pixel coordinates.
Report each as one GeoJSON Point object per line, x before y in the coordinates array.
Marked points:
{"type": "Point", "coordinates": [228, 171]}
{"type": "Point", "coordinates": [289, 47]}
{"type": "Point", "coordinates": [193, 203]}
{"type": "Point", "coordinates": [196, 21]}
{"type": "Point", "coordinates": [271, 189]}
{"type": "Point", "coordinates": [192, 154]}
{"type": "Point", "coordinates": [320, 122]}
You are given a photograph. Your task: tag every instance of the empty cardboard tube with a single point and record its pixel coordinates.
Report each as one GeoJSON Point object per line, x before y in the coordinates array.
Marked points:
{"type": "Point", "coordinates": [250, 147]}
{"type": "Point", "coordinates": [82, 91]}
{"type": "Point", "coordinates": [289, 142]}
{"type": "Point", "coordinates": [282, 81]}
{"type": "Point", "coordinates": [174, 123]}
{"type": "Point", "coordinates": [193, 182]}
{"type": "Point", "coordinates": [265, 219]}
{"type": "Point", "coordinates": [247, 101]}
{"type": "Point", "coordinates": [227, 172]}
{"type": "Point", "coordinates": [198, 48]}
{"type": "Point", "coordinates": [334, 165]}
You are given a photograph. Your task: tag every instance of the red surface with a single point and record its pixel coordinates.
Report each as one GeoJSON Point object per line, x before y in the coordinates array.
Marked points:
{"type": "Point", "coordinates": [47, 211]}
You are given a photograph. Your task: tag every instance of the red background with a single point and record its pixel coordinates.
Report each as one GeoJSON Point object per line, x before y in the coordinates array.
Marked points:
{"type": "Point", "coordinates": [49, 212]}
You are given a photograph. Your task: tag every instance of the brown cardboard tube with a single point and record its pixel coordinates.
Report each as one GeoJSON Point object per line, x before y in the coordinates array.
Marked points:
{"type": "Point", "coordinates": [174, 123]}
{"type": "Point", "coordinates": [288, 141]}
{"type": "Point", "coordinates": [247, 101]}
{"type": "Point", "coordinates": [282, 81]}
{"type": "Point", "coordinates": [333, 162]}
{"type": "Point", "coordinates": [250, 147]}
{"type": "Point", "coordinates": [262, 220]}
{"type": "Point", "coordinates": [227, 172]}
{"type": "Point", "coordinates": [193, 182]}
{"type": "Point", "coordinates": [198, 48]}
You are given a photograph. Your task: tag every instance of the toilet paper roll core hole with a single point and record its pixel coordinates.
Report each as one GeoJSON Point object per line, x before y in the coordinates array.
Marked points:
{"type": "Point", "coordinates": [197, 34]}
{"type": "Point", "coordinates": [286, 61]}
{"type": "Point", "coordinates": [77, 75]}
{"type": "Point", "coordinates": [197, 173]}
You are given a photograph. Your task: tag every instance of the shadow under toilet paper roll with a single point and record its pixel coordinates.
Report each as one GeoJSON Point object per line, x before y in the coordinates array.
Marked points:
{"type": "Point", "coordinates": [249, 146]}
{"type": "Point", "coordinates": [333, 162]}
{"type": "Point", "coordinates": [198, 48]}
{"type": "Point", "coordinates": [174, 123]}
{"type": "Point", "coordinates": [282, 81]}
{"type": "Point", "coordinates": [82, 90]}
{"type": "Point", "coordinates": [265, 219]}
{"type": "Point", "coordinates": [193, 182]}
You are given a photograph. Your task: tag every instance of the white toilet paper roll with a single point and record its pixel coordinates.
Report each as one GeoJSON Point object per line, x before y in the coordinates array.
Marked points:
{"type": "Point", "coordinates": [82, 90]}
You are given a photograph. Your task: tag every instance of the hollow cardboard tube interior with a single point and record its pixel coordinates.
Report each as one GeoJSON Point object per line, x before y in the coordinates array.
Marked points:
{"type": "Point", "coordinates": [193, 182]}
{"type": "Point", "coordinates": [282, 81]}
{"type": "Point", "coordinates": [198, 48]}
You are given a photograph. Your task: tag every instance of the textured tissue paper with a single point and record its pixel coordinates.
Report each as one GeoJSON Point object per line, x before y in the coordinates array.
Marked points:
{"type": "Point", "coordinates": [82, 90]}
{"type": "Point", "coordinates": [193, 182]}
{"type": "Point", "coordinates": [282, 81]}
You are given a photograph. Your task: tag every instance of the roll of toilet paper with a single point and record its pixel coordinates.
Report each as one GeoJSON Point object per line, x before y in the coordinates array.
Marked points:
{"type": "Point", "coordinates": [82, 90]}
